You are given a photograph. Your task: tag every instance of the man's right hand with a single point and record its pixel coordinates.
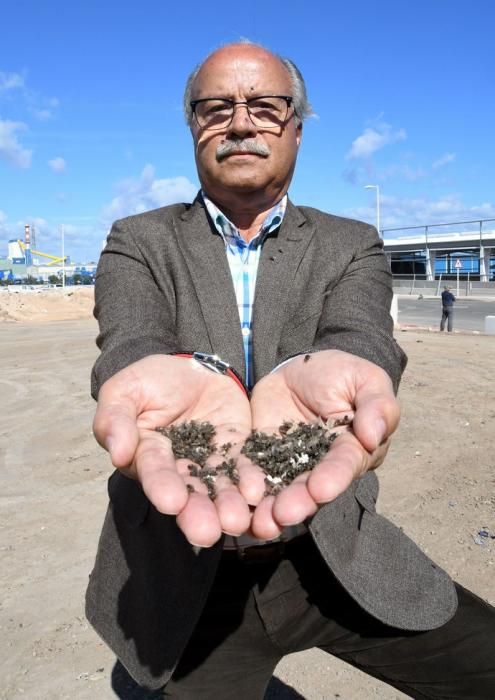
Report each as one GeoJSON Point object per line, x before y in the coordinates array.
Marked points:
{"type": "Point", "coordinates": [158, 391]}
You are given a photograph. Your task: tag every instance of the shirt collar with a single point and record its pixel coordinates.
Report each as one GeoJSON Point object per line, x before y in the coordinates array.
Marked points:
{"type": "Point", "coordinates": [226, 228]}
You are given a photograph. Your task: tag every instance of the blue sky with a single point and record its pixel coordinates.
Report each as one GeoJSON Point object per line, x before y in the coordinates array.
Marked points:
{"type": "Point", "coordinates": [91, 125]}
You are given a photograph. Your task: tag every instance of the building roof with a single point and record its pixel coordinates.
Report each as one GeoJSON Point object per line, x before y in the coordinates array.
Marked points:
{"type": "Point", "coordinates": [439, 241]}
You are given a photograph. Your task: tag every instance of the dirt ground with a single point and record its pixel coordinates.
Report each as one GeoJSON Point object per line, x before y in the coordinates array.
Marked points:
{"type": "Point", "coordinates": [39, 306]}
{"type": "Point", "coordinates": [437, 483]}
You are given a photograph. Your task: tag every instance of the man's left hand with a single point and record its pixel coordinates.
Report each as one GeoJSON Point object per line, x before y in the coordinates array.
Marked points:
{"type": "Point", "coordinates": [326, 384]}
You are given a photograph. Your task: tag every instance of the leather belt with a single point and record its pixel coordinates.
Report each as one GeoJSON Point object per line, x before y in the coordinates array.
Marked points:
{"type": "Point", "coordinates": [244, 541]}
{"type": "Point", "coordinates": [262, 553]}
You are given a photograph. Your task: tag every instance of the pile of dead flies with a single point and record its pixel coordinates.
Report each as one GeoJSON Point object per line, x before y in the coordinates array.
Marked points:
{"type": "Point", "coordinates": [298, 448]}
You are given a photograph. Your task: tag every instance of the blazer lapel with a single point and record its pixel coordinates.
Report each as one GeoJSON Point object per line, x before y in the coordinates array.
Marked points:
{"type": "Point", "coordinates": [280, 259]}
{"type": "Point", "coordinates": [204, 253]}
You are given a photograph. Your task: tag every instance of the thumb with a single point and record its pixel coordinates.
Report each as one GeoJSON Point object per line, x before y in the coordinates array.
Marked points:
{"type": "Point", "coordinates": [376, 416]}
{"type": "Point", "coordinates": [115, 429]}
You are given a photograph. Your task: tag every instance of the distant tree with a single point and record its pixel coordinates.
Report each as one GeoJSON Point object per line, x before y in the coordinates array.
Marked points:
{"type": "Point", "coordinates": [54, 279]}
{"type": "Point", "coordinates": [77, 278]}
{"type": "Point", "coordinates": [31, 280]}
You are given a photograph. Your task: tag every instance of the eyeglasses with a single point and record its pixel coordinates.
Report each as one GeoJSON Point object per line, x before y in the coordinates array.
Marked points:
{"type": "Point", "coordinates": [267, 111]}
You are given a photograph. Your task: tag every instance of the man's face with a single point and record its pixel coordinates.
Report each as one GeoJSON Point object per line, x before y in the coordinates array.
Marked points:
{"type": "Point", "coordinates": [240, 73]}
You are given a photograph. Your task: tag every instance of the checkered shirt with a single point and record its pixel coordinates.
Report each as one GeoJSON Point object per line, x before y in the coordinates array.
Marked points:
{"type": "Point", "coordinates": [243, 259]}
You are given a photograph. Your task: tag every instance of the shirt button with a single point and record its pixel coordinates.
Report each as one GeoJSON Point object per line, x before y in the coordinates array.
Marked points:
{"type": "Point", "coordinates": [245, 331]}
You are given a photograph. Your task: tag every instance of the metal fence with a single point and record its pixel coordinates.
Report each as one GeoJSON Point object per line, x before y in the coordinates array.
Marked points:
{"type": "Point", "coordinates": [418, 284]}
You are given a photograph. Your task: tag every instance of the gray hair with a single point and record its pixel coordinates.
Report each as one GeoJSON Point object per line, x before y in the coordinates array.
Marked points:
{"type": "Point", "coordinates": [302, 108]}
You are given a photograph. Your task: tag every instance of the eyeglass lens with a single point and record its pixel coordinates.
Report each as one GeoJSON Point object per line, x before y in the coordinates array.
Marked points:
{"type": "Point", "coordinates": [263, 111]}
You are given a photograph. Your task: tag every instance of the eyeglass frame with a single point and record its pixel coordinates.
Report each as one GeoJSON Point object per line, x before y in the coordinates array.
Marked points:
{"type": "Point", "coordinates": [288, 100]}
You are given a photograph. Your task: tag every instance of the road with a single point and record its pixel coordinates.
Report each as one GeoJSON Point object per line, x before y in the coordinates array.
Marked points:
{"type": "Point", "coordinates": [469, 313]}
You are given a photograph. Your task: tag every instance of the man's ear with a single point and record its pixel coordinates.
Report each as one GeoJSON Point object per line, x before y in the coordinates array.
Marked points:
{"type": "Point", "coordinates": [299, 129]}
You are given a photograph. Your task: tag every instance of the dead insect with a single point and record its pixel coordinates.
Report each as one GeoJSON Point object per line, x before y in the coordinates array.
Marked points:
{"type": "Point", "coordinates": [224, 449]}
{"type": "Point", "coordinates": [229, 469]}
{"type": "Point", "coordinates": [194, 470]}
{"type": "Point", "coordinates": [193, 440]}
{"type": "Point", "coordinates": [300, 447]}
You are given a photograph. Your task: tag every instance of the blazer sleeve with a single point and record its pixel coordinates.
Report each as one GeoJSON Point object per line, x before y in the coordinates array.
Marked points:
{"type": "Point", "coordinates": [356, 310]}
{"type": "Point", "coordinates": [136, 317]}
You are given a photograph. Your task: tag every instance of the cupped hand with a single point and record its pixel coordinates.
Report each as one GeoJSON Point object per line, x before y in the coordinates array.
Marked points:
{"type": "Point", "coordinates": [158, 391]}
{"type": "Point", "coordinates": [325, 384]}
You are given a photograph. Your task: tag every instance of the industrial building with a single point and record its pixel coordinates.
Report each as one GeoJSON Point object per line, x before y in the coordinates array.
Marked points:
{"type": "Point", "coordinates": [23, 260]}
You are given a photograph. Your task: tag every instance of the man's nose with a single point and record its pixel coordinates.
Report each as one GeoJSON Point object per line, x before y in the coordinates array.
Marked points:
{"type": "Point", "coordinates": [241, 123]}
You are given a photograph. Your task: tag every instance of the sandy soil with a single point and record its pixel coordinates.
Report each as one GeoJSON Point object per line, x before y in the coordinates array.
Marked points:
{"type": "Point", "coordinates": [57, 304]}
{"type": "Point", "coordinates": [437, 483]}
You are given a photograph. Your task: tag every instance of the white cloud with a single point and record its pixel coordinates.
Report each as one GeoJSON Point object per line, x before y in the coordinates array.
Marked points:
{"type": "Point", "coordinates": [136, 195]}
{"type": "Point", "coordinates": [420, 211]}
{"type": "Point", "coordinates": [84, 235]}
{"type": "Point", "coordinates": [373, 139]}
{"type": "Point", "coordinates": [5, 233]}
{"type": "Point", "coordinates": [10, 148]}
{"type": "Point", "coordinates": [365, 172]}
{"type": "Point", "coordinates": [443, 160]}
{"type": "Point", "coordinates": [38, 105]}
{"type": "Point", "coordinates": [10, 81]}
{"type": "Point", "coordinates": [404, 172]}
{"type": "Point", "coordinates": [58, 165]}
{"type": "Point", "coordinates": [42, 114]}
{"type": "Point", "coordinates": [40, 223]}
{"type": "Point", "coordinates": [41, 107]}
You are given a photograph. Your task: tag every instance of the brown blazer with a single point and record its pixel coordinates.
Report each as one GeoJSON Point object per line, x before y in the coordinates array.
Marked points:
{"type": "Point", "coordinates": [164, 285]}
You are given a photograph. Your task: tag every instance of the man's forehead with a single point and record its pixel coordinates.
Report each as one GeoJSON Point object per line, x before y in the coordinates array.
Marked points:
{"type": "Point", "coordinates": [233, 64]}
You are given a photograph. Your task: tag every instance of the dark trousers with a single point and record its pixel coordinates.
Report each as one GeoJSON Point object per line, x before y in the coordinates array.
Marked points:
{"type": "Point", "coordinates": [258, 612]}
{"type": "Point", "coordinates": [447, 315]}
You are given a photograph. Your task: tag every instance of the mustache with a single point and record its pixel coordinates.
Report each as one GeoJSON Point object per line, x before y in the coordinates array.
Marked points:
{"type": "Point", "coordinates": [242, 146]}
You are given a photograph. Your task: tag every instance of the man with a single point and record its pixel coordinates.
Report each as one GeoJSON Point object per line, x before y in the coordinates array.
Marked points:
{"type": "Point", "coordinates": [448, 300]}
{"type": "Point", "coordinates": [205, 597]}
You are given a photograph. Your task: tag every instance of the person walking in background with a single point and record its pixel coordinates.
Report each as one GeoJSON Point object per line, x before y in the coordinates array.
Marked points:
{"type": "Point", "coordinates": [448, 300]}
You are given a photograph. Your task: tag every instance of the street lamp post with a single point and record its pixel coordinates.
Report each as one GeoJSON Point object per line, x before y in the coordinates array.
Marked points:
{"type": "Point", "coordinates": [377, 188]}
{"type": "Point", "coordinates": [430, 275]}
{"type": "Point", "coordinates": [62, 231]}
